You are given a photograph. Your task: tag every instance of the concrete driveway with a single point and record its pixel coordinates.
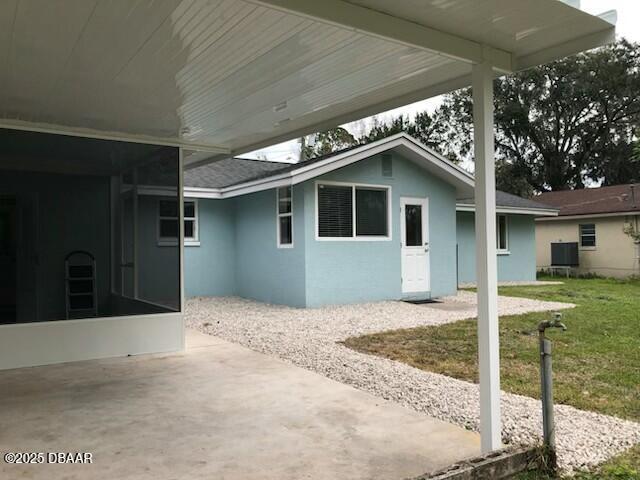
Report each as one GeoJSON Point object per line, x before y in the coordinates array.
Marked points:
{"type": "Point", "coordinates": [217, 411]}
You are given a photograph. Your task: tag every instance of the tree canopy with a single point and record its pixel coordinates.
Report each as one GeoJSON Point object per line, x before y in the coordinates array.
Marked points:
{"type": "Point", "coordinates": [557, 126]}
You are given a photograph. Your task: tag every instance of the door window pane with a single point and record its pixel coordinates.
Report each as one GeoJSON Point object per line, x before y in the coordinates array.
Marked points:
{"type": "Point", "coordinates": [413, 225]}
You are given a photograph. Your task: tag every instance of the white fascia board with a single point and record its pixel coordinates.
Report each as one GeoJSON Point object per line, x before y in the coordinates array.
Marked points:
{"type": "Point", "coordinates": [307, 172]}
{"type": "Point", "coordinates": [589, 215]}
{"type": "Point", "coordinates": [112, 136]}
{"type": "Point", "coordinates": [196, 192]}
{"type": "Point", "coordinates": [467, 207]}
{"type": "Point", "coordinates": [387, 27]}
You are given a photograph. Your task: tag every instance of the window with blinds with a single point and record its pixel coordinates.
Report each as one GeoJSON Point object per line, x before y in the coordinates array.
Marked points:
{"type": "Point", "coordinates": [335, 211]}
{"type": "Point", "coordinates": [352, 211]}
{"type": "Point", "coordinates": [588, 235]}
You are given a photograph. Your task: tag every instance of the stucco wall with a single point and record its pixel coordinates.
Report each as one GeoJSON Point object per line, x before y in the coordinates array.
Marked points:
{"type": "Point", "coordinates": [264, 271]}
{"type": "Point", "coordinates": [210, 268]}
{"type": "Point", "coordinates": [615, 254]}
{"type": "Point", "coordinates": [518, 265]}
{"type": "Point", "coordinates": [359, 271]}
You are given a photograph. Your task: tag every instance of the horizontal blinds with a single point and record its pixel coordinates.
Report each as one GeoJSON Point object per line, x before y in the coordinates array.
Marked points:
{"type": "Point", "coordinates": [335, 211]}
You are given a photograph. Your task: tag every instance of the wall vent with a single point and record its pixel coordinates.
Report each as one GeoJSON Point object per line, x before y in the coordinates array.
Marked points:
{"type": "Point", "coordinates": [387, 165]}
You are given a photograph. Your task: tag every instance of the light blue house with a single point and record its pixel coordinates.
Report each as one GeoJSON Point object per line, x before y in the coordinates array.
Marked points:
{"type": "Point", "coordinates": [386, 220]}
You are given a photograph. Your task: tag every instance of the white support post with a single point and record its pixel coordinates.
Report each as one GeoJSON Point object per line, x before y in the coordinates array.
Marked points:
{"type": "Point", "coordinates": [486, 257]}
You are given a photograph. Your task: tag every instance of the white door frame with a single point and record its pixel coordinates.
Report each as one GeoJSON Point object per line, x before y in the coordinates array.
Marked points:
{"type": "Point", "coordinates": [424, 203]}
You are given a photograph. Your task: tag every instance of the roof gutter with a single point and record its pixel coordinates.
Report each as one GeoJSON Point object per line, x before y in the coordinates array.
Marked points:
{"type": "Point", "coordinates": [538, 212]}
{"type": "Point", "coordinates": [630, 213]}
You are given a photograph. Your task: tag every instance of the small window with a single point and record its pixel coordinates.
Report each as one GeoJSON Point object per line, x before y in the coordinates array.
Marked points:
{"type": "Point", "coordinates": [191, 222]}
{"type": "Point", "coordinates": [285, 217]}
{"type": "Point", "coordinates": [168, 231]}
{"type": "Point", "coordinates": [168, 222]}
{"type": "Point", "coordinates": [353, 211]}
{"type": "Point", "coordinates": [502, 234]}
{"type": "Point", "coordinates": [588, 235]}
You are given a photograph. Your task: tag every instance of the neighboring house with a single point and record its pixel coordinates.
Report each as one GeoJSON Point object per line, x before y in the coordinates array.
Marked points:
{"type": "Point", "coordinates": [375, 222]}
{"type": "Point", "coordinates": [601, 221]}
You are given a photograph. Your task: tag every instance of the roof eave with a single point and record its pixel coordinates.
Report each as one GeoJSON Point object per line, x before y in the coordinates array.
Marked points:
{"type": "Point", "coordinates": [594, 215]}
{"type": "Point", "coordinates": [538, 212]}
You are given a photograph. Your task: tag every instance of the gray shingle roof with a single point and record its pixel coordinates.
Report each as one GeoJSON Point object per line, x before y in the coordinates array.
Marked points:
{"type": "Point", "coordinates": [504, 199]}
{"type": "Point", "coordinates": [230, 171]}
{"type": "Point", "coordinates": [235, 171]}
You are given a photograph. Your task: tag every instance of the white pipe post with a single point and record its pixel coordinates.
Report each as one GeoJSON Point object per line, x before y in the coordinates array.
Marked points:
{"type": "Point", "coordinates": [486, 257]}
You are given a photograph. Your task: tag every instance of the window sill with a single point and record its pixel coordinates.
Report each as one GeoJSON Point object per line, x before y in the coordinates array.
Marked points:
{"type": "Point", "coordinates": [192, 243]}
{"type": "Point", "coordinates": [354, 239]}
{"type": "Point", "coordinates": [504, 252]}
{"type": "Point", "coordinates": [588, 249]}
{"type": "Point", "coordinates": [167, 243]}
{"type": "Point", "coordinates": [286, 246]}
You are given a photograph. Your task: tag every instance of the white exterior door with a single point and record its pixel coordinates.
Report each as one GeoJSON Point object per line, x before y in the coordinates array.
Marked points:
{"type": "Point", "coordinates": [414, 237]}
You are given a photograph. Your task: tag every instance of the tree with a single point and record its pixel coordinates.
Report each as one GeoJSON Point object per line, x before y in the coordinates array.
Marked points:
{"type": "Point", "coordinates": [329, 141]}
{"type": "Point", "coordinates": [380, 130]}
{"type": "Point", "coordinates": [562, 124]}
{"type": "Point", "coordinates": [429, 129]}
{"type": "Point", "coordinates": [558, 126]}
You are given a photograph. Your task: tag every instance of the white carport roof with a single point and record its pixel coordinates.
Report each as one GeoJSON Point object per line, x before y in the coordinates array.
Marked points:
{"type": "Point", "coordinates": [230, 76]}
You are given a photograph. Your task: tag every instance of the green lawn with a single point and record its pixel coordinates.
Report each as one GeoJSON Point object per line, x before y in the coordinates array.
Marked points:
{"type": "Point", "coordinates": [596, 362]}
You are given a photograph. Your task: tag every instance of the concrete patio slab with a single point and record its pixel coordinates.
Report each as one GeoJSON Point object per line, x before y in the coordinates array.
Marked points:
{"type": "Point", "coordinates": [218, 410]}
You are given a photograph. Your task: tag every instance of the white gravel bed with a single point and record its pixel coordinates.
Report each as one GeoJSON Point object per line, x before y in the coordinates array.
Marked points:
{"type": "Point", "coordinates": [308, 338]}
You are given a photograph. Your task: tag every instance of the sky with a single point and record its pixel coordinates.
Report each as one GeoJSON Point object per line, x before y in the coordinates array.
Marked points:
{"type": "Point", "coordinates": [628, 26]}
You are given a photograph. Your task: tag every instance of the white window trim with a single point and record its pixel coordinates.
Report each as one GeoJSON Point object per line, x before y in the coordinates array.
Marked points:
{"type": "Point", "coordinates": [170, 241]}
{"type": "Point", "coordinates": [502, 251]}
{"type": "Point", "coordinates": [595, 237]}
{"type": "Point", "coordinates": [195, 240]}
{"type": "Point", "coordinates": [355, 237]}
{"type": "Point", "coordinates": [280, 215]}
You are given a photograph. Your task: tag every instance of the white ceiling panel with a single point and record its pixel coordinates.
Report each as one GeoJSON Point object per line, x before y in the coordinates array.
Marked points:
{"type": "Point", "coordinates": [521, 27]}
{"type": "Point", "coordinates": [240, 74]}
